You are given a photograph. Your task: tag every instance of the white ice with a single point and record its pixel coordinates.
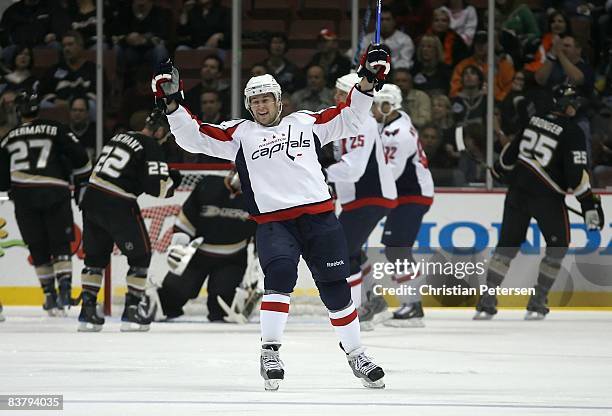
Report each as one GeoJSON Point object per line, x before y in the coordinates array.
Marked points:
{"type": "Point", "coordinates": [453, 366]}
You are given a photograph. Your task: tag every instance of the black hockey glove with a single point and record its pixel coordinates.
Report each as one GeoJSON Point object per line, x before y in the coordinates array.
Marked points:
{"type": "Point", "coordinates": [592, 211]}
{"type": "Point", "coordinates": [375, 64]}
{"type": "Point", "coordinates": [167, 85]}
{"type": "Point", "coordinates": [176, 176]}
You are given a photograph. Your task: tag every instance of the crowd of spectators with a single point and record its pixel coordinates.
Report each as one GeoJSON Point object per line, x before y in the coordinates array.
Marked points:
{"type": "Point", "coordinates": [439, 57]}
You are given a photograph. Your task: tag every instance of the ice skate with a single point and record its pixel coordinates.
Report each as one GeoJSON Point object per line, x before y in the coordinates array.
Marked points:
{"type": "Point", "coordinates": [52, 306]}
{"type": "Point", "coordinates": [90, 318]}
{"type": "Point", "coordinates": [272, 368]}
{"type": "Point", "coordinates": [371, 375]}
{"type": "Point", "coordinates": [65, 300]}
{"type": "Point", "coordinates": [486, 308]}
{"type": "Point", "coordinates": [409, 315]}
{"type": "Point", "coordinates": [137, 313]}
{"type": "Point", "coordinates": [373, 312]}
{"type": "Point", "coordinates": [537, 308]}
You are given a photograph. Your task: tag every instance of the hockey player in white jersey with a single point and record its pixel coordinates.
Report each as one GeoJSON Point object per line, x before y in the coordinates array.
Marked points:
{"type": "Point", "coordinates": [365, 188]}
{"type": "Point", "coordinates": [286, 194]}
{"type": "Point", "coordinates": [415, 191]}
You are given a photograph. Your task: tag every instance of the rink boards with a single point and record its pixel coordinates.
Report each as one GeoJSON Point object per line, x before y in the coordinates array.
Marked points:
{"type": "Point", "coordinates": [466, 219]}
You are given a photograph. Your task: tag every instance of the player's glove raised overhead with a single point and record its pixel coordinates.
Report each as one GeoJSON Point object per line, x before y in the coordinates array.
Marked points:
{"type": "Point", "coordinates": [375, 64]}
{"type": "Point", "coordinates": [592, 211]}
{"type": "Point", "coordinates": [167, 85]}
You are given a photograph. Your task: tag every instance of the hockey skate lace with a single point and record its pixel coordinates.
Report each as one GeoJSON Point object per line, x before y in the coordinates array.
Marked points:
{"type": "Point", "coordinates": [271, 360]}
{"type": "Point", "coordinates": [364, 364]}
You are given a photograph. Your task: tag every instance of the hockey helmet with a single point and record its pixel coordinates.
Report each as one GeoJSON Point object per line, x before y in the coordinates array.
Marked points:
{"type": "Point", "coordinates": [263, 84]}
{"type": "Point", "coordinates": [346, 82]}
{"type": "Point", "coordinates": [27, 104]}
{"type": "Point", "coordinates": [565, 95]}
{"type": "Point", "coordinates": [156, 119]}
{"type": "Point", "coordinates": [389, 93]}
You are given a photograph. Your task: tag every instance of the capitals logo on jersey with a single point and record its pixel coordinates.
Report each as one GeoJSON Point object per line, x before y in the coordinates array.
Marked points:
{"type": "Point", "coordinates": [284, 143]}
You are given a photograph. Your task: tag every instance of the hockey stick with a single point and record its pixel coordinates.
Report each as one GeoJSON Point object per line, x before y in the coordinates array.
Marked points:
{"type": "Point", "coordinates": [460, 144]}
{"type": "Point", "coordinates": [377, 33]}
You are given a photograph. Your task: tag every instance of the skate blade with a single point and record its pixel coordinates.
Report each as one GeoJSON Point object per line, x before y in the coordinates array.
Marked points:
{"type": "Point", "coordinates": [133, 327]}
{"type": "Point", "coordinates": [534, 316]}
{"type": "Point", "coordinates": [482, 316]}
{"type": "Point", "coordinates": [57, 313]}
{"type": "Point", "coordinates": [381, 317]}
{"type": "Point", "coordinates": [405, 323]}
{"type": "Point", "coordinates": [271, 385]}
{"type": "Point", "coordinates": [378, 384]}
{"type": "Point", "coordinates": [89, 327]}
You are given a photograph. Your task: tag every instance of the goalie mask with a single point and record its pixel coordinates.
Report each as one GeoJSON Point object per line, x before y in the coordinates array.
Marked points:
{"type": "Point", "coordinates": [263, 84]}
{"type": "Point", "coordinates": [391, 94]}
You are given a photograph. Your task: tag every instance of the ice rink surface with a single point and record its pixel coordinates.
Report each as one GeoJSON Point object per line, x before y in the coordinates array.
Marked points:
{"type": "Point", "coordinates": [454, 366]}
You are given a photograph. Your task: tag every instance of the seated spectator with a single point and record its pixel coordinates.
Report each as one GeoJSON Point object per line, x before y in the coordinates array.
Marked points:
{"type": "Point", "coordinates": [463, 19]}
{"type": "Point", "coordinates": [564, 63]}
{"type": "Point", "coordinates": [34, 23]}
{"type": "Point", "coordinates": [442, 118]}
{"type": "Point", "coordinates": [73, 77]}
{"type": "Point", "coordinates": [81, 125]}
{"type": "Point", "coordinates": [289, 76]}
{"type": "Point", "coordinates": [204, 23]}
{"type": "Point", "coordinates": [140, 33]}
{"type": "Point", "coordinates": [504, 68]}
{"type": "Point", "coordinates": [8, 115]}
{"type": "Point", "coordinates": [414, 102]}
{"type": "Point", "coordinates": [20, 77]}
{"type": "Point", "coordinates": [288, 105]}
{"type": "Point", "coordinates": [470, 105]}
{"type": "Point", "coordinates": [316, 95]}
{"type": "Point", "coordinates": [558, 26]}
{"type": "Point", "coordinates": [400, 44]}
{"type": "Point", "coordinates": [429, 73]}
{"type": "Point", "coordinates": [453, 44]}
{"type": "Point", "coordinates": [439, 155]}
{"type": "Point", "coordinates": [440, 160]}
{"type": "Point", "coordinates": [329, 57]}
{"type": "Point", "coordinates": [518, 19]}
{"type": "Point", "coordinates": [210, 108]}
{"type": "Point", "coordinates": [413, 17]}
{"type": "Point", "coordinates": [210, 80]}
{"type": "Point", "coordinates": [83, 16]}
{"type": "Point", "coordinates": [257, 70]}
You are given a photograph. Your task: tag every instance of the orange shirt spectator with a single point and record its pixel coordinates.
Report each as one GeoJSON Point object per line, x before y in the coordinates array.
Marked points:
{"type": "Point", "coordinates": [504, 70]}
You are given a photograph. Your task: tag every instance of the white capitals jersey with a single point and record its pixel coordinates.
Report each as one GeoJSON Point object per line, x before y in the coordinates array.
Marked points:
{"type": "Point", "coordinates": [362, 177]}
{"type": "Point", "coordinates": [280, 174]}
{"type": "Point", "coordinates": [408, 162]}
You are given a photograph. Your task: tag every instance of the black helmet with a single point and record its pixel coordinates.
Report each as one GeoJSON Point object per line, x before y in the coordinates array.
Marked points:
{"type": "Point", "coordinates": [26, 104]}
{"type": "Point", "coordinates": [565, 95]}
{"type": "Point", "coordinates": [156, 119]}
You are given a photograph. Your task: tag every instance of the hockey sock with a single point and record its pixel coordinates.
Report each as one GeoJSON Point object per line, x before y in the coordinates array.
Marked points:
{"type": "Point", "coordinates": [498, 268]}
{"type": "Point", "coordinates": [137, 280]}
{"type": "Point", "coordinates": [346, 326]}
{"type": "Point", "coordinates": [549, 269]}
{"type": "Point", "coordinates": [62, 267]}
{"type": "Point", "coordinates": [273, 316]}
{"type": "Point", "coordinates": [354, 282]}
{"type": "Point", "coordinates": [46, 277]}
{"type": "Point", "coordinates": [91, 279]}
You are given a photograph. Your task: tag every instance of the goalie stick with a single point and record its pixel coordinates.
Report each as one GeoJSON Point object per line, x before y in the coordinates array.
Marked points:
{"type": "Point", "coordinates": [460, 144]}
